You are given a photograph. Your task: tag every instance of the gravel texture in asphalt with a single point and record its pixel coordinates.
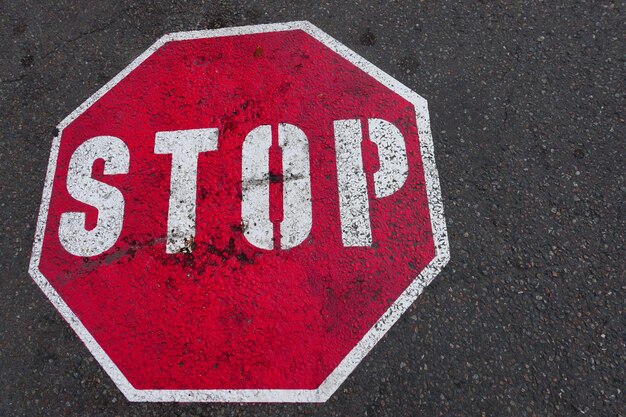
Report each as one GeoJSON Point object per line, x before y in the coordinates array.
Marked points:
{"type": "Point", "coordinates": [526, 101]}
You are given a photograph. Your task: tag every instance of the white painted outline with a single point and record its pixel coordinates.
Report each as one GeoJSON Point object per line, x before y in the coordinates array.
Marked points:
{"type": "Point", "coordinates": [349, 363]}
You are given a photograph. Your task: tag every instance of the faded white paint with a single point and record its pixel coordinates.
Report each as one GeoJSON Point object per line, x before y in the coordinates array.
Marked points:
{"type": "Point", "coordinates": [184, 146]}
{"type": "Point", "coordinates": [255, 187]}
{"type": "Point", "coordinates": [73, 234]}
{"type": "Point", "coordinates": [376, 332]}
{"type": "Point", "coordinates": [354, 206]}
{"type": "Point", "coordinates": [394, 167]}
{"type": "Point", "coordinates": [297, 206]}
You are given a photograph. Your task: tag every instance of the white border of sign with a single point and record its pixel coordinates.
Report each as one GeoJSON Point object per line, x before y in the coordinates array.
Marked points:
{"type": "Point", "coordinates": [349, 363]}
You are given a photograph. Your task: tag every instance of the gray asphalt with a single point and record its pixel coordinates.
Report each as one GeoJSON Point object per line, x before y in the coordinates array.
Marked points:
{"type": "Point", "coordinates": [527, 110]}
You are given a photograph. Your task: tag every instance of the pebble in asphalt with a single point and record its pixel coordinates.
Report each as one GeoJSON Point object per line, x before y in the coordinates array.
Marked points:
{"type": "Point", "coordinates": [526, 101]}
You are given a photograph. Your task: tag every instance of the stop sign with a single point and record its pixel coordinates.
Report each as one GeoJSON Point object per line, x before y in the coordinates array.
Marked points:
{"type": "Point", "coordinates": [240, 215]}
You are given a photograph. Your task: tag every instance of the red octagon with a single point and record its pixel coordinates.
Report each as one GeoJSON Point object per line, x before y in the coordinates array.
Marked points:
{"type": "Point", "coordinates": [224, 319]}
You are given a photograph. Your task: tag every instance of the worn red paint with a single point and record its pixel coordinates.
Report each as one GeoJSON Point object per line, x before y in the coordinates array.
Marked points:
{"type": "Point", "coordinates": [229, 315]}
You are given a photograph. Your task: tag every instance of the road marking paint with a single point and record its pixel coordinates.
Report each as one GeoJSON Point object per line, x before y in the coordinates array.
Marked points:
{"type": "Point", "coordinates": [73, 232]}
{"type": "Point", "coordinates": [375, 333]}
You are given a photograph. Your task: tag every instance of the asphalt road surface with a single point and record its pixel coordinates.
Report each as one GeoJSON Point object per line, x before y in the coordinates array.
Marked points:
{"type": "Point", "coordinates": [526, 101]}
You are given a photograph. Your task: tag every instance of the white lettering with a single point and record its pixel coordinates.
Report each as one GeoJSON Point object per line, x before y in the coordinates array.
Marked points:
{"type": "Point", "coordinates": [184, 146]}
{"type": "Point", "coordinates": [353, 198]}
{"type": "Point", "coordinates": [109, 201]}
{"type": "Point", "coordinates": [255, 204]}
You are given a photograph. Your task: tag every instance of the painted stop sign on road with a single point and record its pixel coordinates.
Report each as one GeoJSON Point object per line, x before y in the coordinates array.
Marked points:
{"type": "Point", "coordinates": [240, 215]}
